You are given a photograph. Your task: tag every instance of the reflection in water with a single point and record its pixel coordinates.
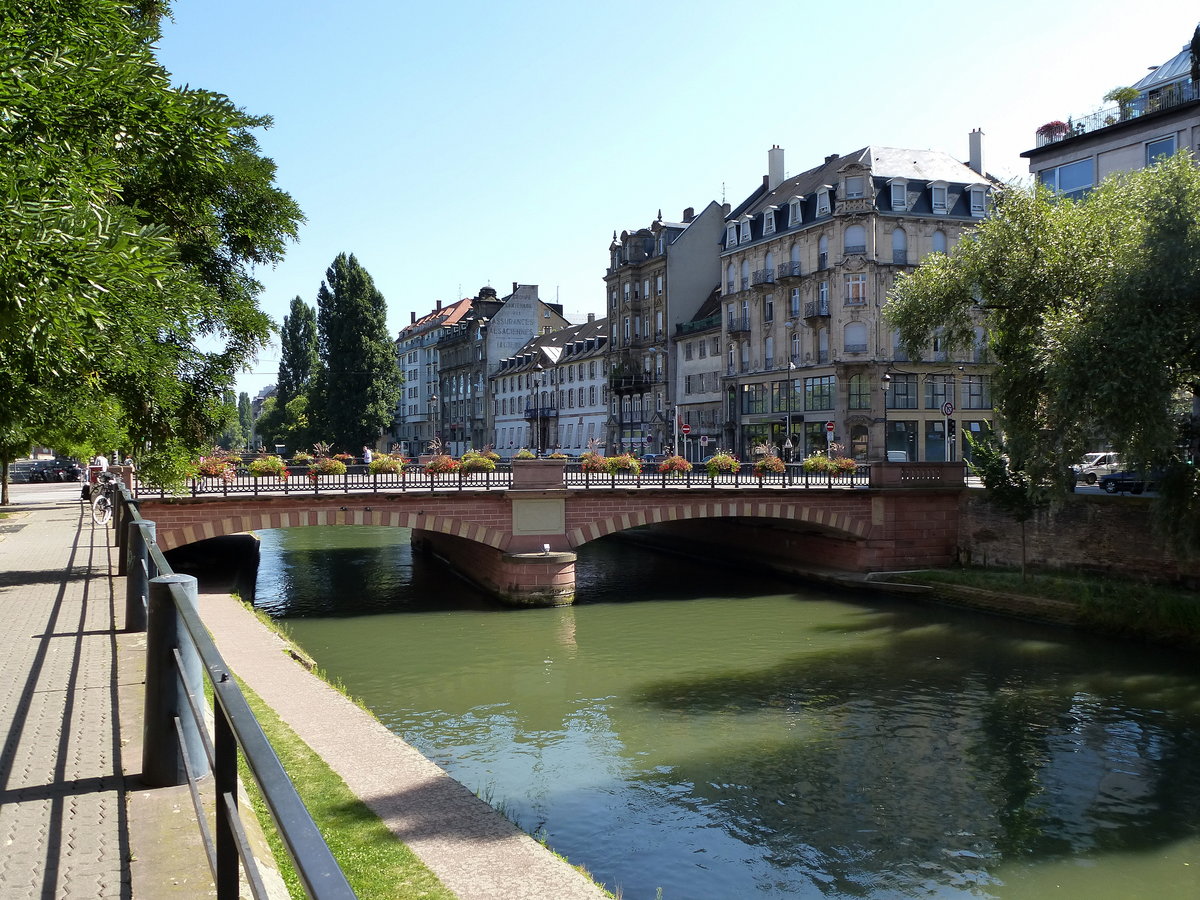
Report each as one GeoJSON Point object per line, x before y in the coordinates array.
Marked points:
{"type": "Point", "coordinates": [738, 736]}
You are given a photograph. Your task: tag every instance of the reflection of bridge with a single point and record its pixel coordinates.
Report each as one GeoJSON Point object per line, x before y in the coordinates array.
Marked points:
{"type": "Point", "coordinates": [520, 543]}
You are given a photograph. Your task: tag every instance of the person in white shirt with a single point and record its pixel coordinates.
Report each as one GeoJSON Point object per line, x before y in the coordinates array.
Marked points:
{"type": "Point", "coordinates": [102, 461]}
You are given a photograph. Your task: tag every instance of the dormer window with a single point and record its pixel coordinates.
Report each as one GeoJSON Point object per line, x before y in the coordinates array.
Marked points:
{"type": "Point", "coordinates": [796, 211]}
{"type": "Point", "coordinates": [899, 194]}
{"type": "Point", "coordinates": [978, 194]}
{"type": "Point", "coordinates": [939, 193]}
{"type": "Point", "coordinates": [854, 187]}
{"type": "Point", "coordinates": [769, 220]}
{"type": "Point", "coordinates": [731, 235]}
{"type": "Point", "coordinates": [823, 201]}
{"type": "Point", "coordinates": [744, 230]}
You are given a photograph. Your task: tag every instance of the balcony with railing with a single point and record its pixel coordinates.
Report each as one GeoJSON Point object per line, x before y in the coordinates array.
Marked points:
{"type": "Point", "coordinates": [540, 412]}
{"type": "Point", "coordinates": [1157, 100]}
{"type": "Point", "coordinates": [788, 270]}
{"type": "Point", "coordinates": [858, 249]}
{"type": "Point", "coordinates": [763, 276]}
{"type": "Point", "coordinates": [816, 309]}
{"type": "Point", "coordinates": [737, 324]}
{"type": "Point", "coordinates": [704, 324]}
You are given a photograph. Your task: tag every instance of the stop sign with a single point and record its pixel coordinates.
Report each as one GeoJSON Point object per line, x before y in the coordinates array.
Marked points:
{"type": "Point", "coordinates": [829, 427]}
{"type": "Point", "coordinates": [685, 428]}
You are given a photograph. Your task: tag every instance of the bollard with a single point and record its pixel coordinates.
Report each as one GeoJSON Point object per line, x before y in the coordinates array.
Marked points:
{"type": "Point", "coordinates": [167, 687]}
{"type": "Point", "coordinates": [137, 576]}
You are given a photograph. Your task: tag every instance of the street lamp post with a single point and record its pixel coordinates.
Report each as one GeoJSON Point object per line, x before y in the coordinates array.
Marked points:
{"type": "Point", "coordinates": [537, 410]}
{"type": "Point", "coordinates": [885, 382]}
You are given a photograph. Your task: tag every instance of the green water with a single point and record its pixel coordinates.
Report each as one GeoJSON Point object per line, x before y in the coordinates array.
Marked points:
{"type": "Point", "coordinates": [718, 734]}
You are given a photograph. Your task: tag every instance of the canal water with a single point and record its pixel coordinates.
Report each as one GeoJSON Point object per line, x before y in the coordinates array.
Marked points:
{"type": "Point", "coordinates": [722, 734]}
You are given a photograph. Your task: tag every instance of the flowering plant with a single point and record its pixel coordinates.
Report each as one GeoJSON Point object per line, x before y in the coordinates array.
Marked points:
{"type": "Point", "coordinates": [387, 465]}
{"type": "Point", "coordinates": [345, 458]}
{"type": "Point", "coordinates": [525, 453]}
{"type": "Point", "coordinates": [474, 461]}
{"type": "Point", "coordinates": [1053, 129]}
{"type": "Point", "coordinates": [674, 465]}
{"type": "Point", "coordinates": [593, 462]}
{"type": "Point", "coordinates": [830, 465]}
{"type": "Point", "coordinates": [326, 465]}
{"type": "Point", "coordinates": [301, 458]}
{"type": "Point", "coordinates": [442, 464]}
{"type": "Point", "coordinates": [558, 456]}
{"type": "Point", "coordinates": [769, 465]}
{"type": "Point", "coordinates": [722, 462]}
{"type": "Point", "coordinates": [624, 463]}
{"type": "Point", "coordinates": [220, 464]}
{"type": "Point", "coordinates": [268, 464]}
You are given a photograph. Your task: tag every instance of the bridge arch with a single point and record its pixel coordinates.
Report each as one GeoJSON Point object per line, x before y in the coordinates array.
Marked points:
{"type": "Point", "coordinates": [847, 523]}
{"type": "Point", "coordinates": [176, 528]}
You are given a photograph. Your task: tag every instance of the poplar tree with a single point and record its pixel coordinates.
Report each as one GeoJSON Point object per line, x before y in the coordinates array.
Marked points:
{"type": "Point", "coordinates": [298, 351]}
{"type": "Point", "coordinates": [358, 380]}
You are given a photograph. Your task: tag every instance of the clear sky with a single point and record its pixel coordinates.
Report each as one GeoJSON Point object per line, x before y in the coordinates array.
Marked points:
{"type": "Point", "coordinates": [456, 144]}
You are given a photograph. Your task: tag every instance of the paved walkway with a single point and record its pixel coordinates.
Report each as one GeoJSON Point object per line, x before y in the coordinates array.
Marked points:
{"type": "Point", "coordinates": [64, 830]}
{"type": "Point", "coordinates": [75, 821]}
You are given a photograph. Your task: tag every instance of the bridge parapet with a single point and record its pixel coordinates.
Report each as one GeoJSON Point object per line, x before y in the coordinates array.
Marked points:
{"type": "Point", "coordinates": [918, 475]}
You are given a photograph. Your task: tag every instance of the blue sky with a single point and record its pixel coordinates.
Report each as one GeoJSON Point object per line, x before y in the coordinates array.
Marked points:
{"type": "Point", "coordinates": [459, 144]}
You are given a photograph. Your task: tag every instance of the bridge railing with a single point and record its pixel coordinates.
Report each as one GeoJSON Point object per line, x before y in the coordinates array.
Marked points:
{"type": "Point", "coordinates": [793, 477]}
{"type": "Point", "coordinates": [178, 747]}
{"type": "Point", "coordinates": [416, 478]}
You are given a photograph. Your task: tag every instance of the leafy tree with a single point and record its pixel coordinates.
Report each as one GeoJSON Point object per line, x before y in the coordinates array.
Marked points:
{"type": "Point", "coordinates": [358, 380]}
{"type": "Point", "coordinates": [298, 351]}
{"type": "Point", "coordinates": [1092, 310]}
{"type": "Point", "coordinates": [132, 215]}
{"type": "Point", "coordinates": [285, 425]}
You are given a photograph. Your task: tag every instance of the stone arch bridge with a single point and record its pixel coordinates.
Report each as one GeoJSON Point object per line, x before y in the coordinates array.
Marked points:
{"type": "Point", "coordinates": [521, 545]}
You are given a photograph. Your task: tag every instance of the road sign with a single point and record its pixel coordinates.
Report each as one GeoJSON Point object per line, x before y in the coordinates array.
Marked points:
{"type": "Point", "coordinates": [947, 408]}
{"type": "Point", "coordinates": [829, 427]}
{"type": "Point", "coordinates": [685, 428]}
{"type": "Point", "coordinates": [704, 440]}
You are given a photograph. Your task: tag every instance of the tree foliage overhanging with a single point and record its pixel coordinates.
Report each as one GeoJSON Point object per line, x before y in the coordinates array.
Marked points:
{"type": "Point", "coordinates": [1092, 310]}
{"type": "Point", "coordinates": [132, 214]}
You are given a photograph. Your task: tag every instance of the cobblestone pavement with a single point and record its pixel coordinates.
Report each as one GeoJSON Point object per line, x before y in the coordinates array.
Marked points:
{"type": "Point", "coordinates": [63, 827]}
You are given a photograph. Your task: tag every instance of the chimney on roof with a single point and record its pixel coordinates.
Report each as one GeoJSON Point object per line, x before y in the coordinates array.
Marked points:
{"type": "Point", "coordinates": [412, 318]}
{"type": "Point", "coordinates": [514, 287]}
{"type": "Point", "coordinates": [439, 304]}
{"type": "Point", "coordinates": [831, 157]}
{"type": "Point", "coordinates": [689, 214]}
{"type": "Point", "coordinates": [774, 167]}
{"type": "Point", "coordinates": [725, 209]}
{"type": "Point", "coordinates": [976, 152]}
{"type": "Point", "coordinates": [591, 318]}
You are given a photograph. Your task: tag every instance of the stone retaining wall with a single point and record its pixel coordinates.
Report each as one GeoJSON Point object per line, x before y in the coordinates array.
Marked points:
{"type": "Point", "coordinates": [1094, 533]}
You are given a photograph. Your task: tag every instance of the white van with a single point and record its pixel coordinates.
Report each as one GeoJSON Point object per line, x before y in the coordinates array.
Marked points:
{"type": "Point", "coordinates": [1097, 464]}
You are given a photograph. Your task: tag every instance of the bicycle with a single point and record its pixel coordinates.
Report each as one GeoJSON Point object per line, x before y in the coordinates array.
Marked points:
{"type": "Point", "coordinates": [103, 497]}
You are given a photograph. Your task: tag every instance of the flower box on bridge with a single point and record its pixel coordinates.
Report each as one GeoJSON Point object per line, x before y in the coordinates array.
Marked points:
{"type": "Point", "coordinates": [537, 474]}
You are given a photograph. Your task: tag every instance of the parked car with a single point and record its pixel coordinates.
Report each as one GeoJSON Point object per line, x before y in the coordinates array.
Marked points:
{"type": "Point", "coordinates": [56, 470]}
{"type": "Point", "coordinates": [1133, 482]}
{"type": "Point", "coordinates": [652, 459]}
{"type": "Point", "coordinates": [1096, 464]}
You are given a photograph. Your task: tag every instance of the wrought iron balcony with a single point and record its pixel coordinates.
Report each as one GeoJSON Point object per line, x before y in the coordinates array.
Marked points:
{"type": "Point", "coordinates": [763, 276]}
{"type": "Point", "coordinates": [788, 270]}
{"type": "Point", "coordinates": [815, 309]}
{"type": "Point", "coordinates": [737, 324]}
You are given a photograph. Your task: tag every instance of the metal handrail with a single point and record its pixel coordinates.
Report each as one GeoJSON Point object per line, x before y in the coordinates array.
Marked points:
{"type": "Point", "coordinates": [234, 725]}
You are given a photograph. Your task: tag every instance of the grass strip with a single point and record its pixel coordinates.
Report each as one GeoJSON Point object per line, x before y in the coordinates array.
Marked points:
{"type": "Point", "coordinates": [375, 862]}
{"type": "Point", "coordinates": [1107, 604]}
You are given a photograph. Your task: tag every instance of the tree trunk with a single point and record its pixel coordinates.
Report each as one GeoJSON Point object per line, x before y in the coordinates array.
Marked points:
{"type": "Point", "coordinates": [4, 482]}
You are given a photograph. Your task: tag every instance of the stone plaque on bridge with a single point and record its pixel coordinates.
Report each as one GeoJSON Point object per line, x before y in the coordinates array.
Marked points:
{"type": "Point", "coordinates": [539, 516]}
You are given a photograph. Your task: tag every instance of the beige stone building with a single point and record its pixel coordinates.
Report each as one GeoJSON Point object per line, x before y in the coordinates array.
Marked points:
{"type": "Point", "coordinates": [807, 262]}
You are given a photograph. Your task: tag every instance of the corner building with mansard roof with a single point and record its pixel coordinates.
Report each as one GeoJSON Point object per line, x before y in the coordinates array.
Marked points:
{"type": "Point", "coordinates": [806, 265]}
